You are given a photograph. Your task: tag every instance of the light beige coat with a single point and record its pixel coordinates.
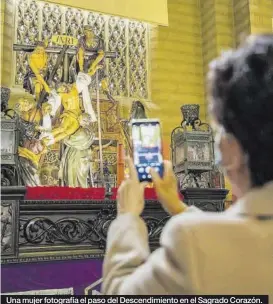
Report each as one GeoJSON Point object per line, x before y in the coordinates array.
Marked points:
{"type": "Point", "coordinates": [201, 253]}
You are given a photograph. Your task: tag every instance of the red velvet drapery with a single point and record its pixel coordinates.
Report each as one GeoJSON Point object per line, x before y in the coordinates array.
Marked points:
{"type": "Point", "coordinates": [67, 193]}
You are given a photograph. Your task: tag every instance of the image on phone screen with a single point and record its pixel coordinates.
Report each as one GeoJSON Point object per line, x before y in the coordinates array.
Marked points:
{"type": "Point", "coordinates": [147, 147]}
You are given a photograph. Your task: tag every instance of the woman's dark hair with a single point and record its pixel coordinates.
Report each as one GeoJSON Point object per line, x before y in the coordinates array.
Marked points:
{"type": "Point", "coordinates": [241, 89]}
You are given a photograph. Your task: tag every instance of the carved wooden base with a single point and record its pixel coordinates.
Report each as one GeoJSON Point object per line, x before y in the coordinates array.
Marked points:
{"type": "Point", "coordinates": [35, 231]}
{"type": "Point", "coordinates": [206, 199]}
{"type": "Point", "coordinates": [62, 230]}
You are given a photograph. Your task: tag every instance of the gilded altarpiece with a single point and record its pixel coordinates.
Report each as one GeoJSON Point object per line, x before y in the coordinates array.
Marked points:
{"type": "Point", "coordinates": [127, 74]}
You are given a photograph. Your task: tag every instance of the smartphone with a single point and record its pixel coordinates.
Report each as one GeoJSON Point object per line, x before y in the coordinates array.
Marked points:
{"type": "Point", "coordinates": [147, 147]}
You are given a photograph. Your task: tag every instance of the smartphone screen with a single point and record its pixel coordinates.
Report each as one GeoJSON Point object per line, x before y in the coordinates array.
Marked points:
{"type": "Point", "coordinates": [147, 147]}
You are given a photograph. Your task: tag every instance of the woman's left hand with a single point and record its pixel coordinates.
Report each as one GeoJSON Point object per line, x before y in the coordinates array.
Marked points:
{"type": "Point", "coordinates": [130, 198]}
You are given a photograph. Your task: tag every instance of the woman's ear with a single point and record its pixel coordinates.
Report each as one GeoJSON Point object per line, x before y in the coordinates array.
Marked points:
{"type": "Point", "coordinates": [233, 155]}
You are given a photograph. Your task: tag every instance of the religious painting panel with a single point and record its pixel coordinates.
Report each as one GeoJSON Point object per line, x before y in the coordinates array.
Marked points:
{"type": "Point", "coordinates": [198, 151]}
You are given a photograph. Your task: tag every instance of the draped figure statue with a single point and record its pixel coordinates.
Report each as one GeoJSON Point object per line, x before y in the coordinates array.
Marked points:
{"type": "Point", "coordinates": [76, 159]}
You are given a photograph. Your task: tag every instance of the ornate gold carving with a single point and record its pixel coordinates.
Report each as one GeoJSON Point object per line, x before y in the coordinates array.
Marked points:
{"type": "Point", "coordinates": [128, 75]}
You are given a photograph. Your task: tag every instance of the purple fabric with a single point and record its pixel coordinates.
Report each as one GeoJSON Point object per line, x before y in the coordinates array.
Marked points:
{"type": "Point", "coordinates": [50, 275]}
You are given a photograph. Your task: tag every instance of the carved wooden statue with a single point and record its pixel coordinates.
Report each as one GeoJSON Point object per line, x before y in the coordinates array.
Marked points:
{"type": "Point", "coordinates": [34, 80]}
{"type": "Point", "coordinates": [88, 64]}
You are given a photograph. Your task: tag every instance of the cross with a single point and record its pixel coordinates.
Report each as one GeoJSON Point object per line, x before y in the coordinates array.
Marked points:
{"type": "Point", "coordinates": [62, 48]}
{"type": "Point", "coordinates": [58, 49]}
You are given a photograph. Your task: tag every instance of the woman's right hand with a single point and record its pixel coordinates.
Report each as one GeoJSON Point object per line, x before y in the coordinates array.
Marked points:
{"type": "Point", "coordinates": [167, 191]}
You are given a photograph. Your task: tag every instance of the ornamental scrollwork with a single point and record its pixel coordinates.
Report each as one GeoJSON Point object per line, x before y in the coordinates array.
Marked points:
{"type": "Point", "coordinates": [9, 216]}
{"type": "Point", "coordinates": [7, 125]}
{"type": "Point", "coordinates": [68, 230]}
{"type": "Point", "coordinates": [75, 231]}
{"type": "Point", "coordinates": [6, 157]}
{"type": "Point", "coordinates": [6, 227]}
{"type": "Point", "coordinates": [155, 226]}
{"type": "Point", "coordinates": [213, 206]}
{"type": "Point", "coordinates": [51, 157]}
{"type": "Point", "coordinates": [8, 173]}
{"type": "Point", "coordinates": [110, 158]}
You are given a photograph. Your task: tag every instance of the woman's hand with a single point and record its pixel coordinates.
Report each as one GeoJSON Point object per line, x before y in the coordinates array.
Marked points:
{"type": "Point", "coordinates": [130, 198]}
{"type": "Point", "coordinates": [167, 191]}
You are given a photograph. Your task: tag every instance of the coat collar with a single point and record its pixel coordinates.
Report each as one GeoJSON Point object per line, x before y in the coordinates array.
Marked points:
{"type": "Point", "coordinates": [257, 202]}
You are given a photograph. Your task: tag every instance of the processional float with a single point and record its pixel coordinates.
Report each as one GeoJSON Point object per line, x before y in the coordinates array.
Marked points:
{"type": "Point", "coordinates": [65, 46]}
